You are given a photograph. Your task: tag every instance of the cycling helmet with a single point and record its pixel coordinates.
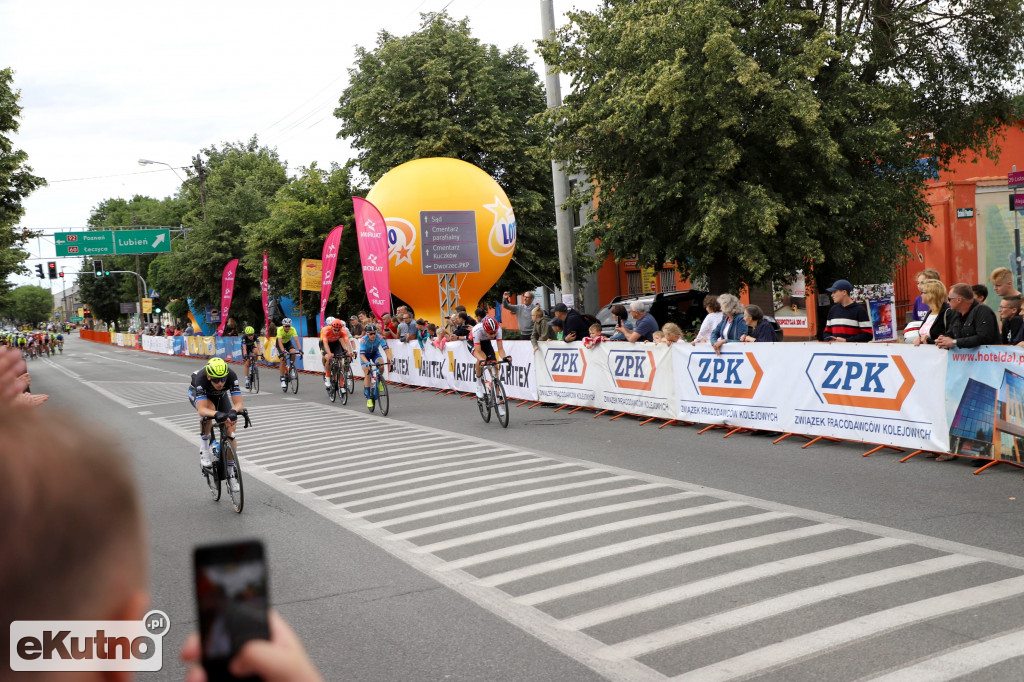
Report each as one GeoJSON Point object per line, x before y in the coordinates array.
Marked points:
{"type": "Point", "coordinates": [328, 321]}
{"type": "Point", "coordinates": [337, 325]}
{"type": "Point", "coordinates": [249, 331]}
{"type": "Point", "coordinates": [286, 322]}
{"type": "Point", "coordinates": [370, 329]}
{"type": "Point", "coordinates": [216, 369]}
{"type": "Point", "coordinates": [490, 325]}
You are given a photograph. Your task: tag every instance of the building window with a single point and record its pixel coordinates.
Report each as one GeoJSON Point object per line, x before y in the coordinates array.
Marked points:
{"type": "Point", "coordinates": [634, 282]}
{"type": "Point", "coordinates": [667, 279]}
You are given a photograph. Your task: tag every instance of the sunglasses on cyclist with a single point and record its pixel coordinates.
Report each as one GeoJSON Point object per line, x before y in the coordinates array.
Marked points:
{"type": "Point", "coordinates": [217, 380]}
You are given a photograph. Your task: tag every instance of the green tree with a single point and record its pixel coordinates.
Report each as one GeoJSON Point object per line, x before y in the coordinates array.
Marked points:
{"type": "Point", "coordinates": [104, 295]}
{"type": "Point", "coordinates": [16, 183]}
{"type": "Point", "coordinates": [241, 180]}
{"type": "Point", "coordinates": [303, 213]}
{"type": "Point", "coordinates": [747, 139]}
{"type": "Point", "coordinates": [440, 92]}
{"type": "Point", "coordinates": [29, 304]}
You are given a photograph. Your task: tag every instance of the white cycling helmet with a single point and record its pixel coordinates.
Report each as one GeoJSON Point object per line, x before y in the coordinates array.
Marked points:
{"type": "Point", "coordinates": [286, 322]}
{"type": "Point", "coordinates": [328, 321]}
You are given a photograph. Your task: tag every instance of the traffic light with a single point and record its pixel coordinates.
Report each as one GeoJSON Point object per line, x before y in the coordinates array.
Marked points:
{"type": "Point", "coordinates": [51, 266]}
{"type": "Point", "coordinates": [97, 268]}
{"type": "Point", "coordinates": [156, 310]}
{"type": "Point", "coordinates": [61, 274]}
{"type": "Point", "coordinates": [39, 271]}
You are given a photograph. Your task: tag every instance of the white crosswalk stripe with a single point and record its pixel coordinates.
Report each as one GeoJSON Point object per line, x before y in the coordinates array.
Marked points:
{"type": "Point", "coordinates": [622, 570]}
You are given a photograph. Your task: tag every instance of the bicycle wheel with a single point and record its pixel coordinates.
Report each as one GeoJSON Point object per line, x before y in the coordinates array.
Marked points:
{"type": "Point", "coordinates": [213, 480]}
{"type": "Point", "coordinates": [332, 392]}
{"type": "Point", "coordinates": [344, 386]}
{"type": "Point", "coordinates": [233, 474]}
{"type": "Point", "coordinates": [485, 406]}
{"type": "Point", "coordinates": [350, 379]}
{"type": "Point", "coordinates": [255, 379]}
{"type": "Point", "coordinates": [293, 379]}
{"type": "Point", "coordinates": [500, 403]}
{"type": "Point", "coordinates": [382, 396]}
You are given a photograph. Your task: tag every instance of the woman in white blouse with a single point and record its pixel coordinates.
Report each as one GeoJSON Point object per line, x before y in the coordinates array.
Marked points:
{"type": "Point", "coordinates": [711, 321]}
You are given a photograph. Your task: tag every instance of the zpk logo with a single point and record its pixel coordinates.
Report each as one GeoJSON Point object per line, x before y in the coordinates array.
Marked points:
{"type": "Point", "coordinates": [729, 375]}
{"type": "Point", "coordinates": [632, 368]}
{"type": "Point", "coordinates": [566, 366]}
{"type": "Point", "coordinates": [878, 382]}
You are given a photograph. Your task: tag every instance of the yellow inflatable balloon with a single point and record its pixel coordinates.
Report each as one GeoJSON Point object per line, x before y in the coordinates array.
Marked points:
{"type": "Point", "coordinates": [451, 233]}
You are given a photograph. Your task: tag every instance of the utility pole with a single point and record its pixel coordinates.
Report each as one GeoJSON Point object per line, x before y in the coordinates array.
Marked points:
{"type": "Point", "coordinates": [559, 181]}
{"type": "Point", "coordinates": [201, 174]}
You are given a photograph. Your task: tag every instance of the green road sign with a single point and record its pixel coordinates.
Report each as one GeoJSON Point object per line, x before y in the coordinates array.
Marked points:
{"type": "Point", "coordinates": [142, 241]}
{"type": "Point", "coordinates": [77, 319]}
{"type": "Point", "coordinates": [92, 243]}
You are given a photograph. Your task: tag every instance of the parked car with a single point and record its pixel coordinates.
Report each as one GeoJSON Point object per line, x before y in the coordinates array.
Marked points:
{"type": "Point", "coordinates": [685, 308]}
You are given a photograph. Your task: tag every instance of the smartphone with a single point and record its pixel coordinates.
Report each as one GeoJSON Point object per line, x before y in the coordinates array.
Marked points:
{"type": "Point", "coordinates": [232, 599]}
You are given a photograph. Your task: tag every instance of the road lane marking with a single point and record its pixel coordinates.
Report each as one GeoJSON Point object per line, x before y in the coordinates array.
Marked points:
{"type": "Point", "coordinates": [961, 661]}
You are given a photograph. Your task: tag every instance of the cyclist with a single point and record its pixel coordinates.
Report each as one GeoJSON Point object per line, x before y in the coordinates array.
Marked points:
{"type": "Point", "coordinates": [215, 393]}
{"type": "Point", "coordinates": [479, 341]}
{"type": "Point", "coordinates": [369, 352]}
{"type": "Point", "coordinates": [286, 336]}
{"type": "Point", "coordinates": [334, 340]}
{"type": "Point", "coordinates": [60, 340]}
{"type": "Point", "coordinates": [250, 351]}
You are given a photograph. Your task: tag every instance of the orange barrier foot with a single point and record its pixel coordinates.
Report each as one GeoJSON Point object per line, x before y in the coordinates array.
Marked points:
{"type": "Point", "coordinates": [668, 423]}
{"type": "Point", "coordinates": [982, 468]}
{"type": "Point", "coordinates": [708, 428]}
{"type": "Point", "coordinates": [882, 447]}
{"type": "Point", "coordinates": [599, 414]}
{"type": "Point", "coordinates": [815, 440]}
{"type": "Point", "coordinates": [559, 409]}
{"type": "Point", "coordinates": [620, 414]}
{"type": "Point", "coordinates": [581, 407]}
{"type": "Point", "coordinates": [915, 453]}
{"type": "Point", "coordinates": [534, 405]}
{"type": "Point", "coordinates": [738, 429]}
{"type": "Point", "coordinates": [647, 420]}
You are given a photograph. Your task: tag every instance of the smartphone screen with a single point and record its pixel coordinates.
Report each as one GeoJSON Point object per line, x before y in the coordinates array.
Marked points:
{"type": "Point", "coordinates": [232, 597]}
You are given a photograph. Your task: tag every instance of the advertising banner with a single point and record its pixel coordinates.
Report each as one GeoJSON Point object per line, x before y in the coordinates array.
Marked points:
{"type": "Point", "coordinates": [882, 315]}
{"type": "Point", "coordinates": [158, 344]}
{"type": "Point", "coordinates": [871, 393]}
{"type": "Point", "coordinates": [228, 347]}
{"type": "Point", "coordinates": [311, 356]}
{"type": "Point", "coordinates": [227, 288]}
{"type": "Point", "coordinates": [454, 367]}
{"type": "Point", "coordinates": [265, 293]}
{"type": "Point", "coordinates": [330, 266]}
{"type": "Point", "coordinates": [310, 273]}
{"type": "Point", "coordinates": [985, 402]}
{"type": "Point", "coordinates": [372, 236]}
{"type": "Point", "coordinates": [201, 345]}
{"type": "Point", "coordinates": [626, 377]}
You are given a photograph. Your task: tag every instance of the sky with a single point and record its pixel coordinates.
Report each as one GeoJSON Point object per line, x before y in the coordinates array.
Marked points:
{"type": "Point", "coordinates": [106, 83]}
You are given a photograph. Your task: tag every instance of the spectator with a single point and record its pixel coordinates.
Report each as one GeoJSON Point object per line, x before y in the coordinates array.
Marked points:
{"type": "Point", "coordinates": [847, 319]}
{"type": "Point", "coordinates": [522, 311]}
{"type": "Point", "coordinates": [1002, 283]}
{"type": "Point", "coordinates": [355, 327]}
{"type": "Point", "coordinates": [1010, 321]}
{"type": "Point", "coordinates": [672, 333]}
{"type": "Point", "coordinates": [921, 309]}
{"type": "Point", "coordinates": [188, 331]}
{"type": "Point", "coordinates": [621, 318]}
{"type": "Point", "coordinates": [934, 293]}
{"type": "Point", "coordinates": [363, 319]}
{"type": "Point", "coordinates": [542, 330]}
{"type": "Point", "coordinates": [574, 327]}
{"type": "Point", "coordinates": [15, 382]}
{"type": "Point", "coordinates": [644, 324]}
{"type": "Point", "coordinates": [388, 328]}
{"type": "Point", "coordinates": [406, 328]}
{"type": "Point", "coordinates": [595, 337]}
{"type": "Point", "coordinates": [711, 320]}
{"type": "Point", "coordinates": [469, 320]}
{"type": "Point", "coordinates": [231, 329]}
{"type": "Point", "coordinates": [763, 330]}
{"type": "Point", "coordinates": [460, 326]}
{"type": "Point", "coordinates": [980, 292]}
{"type": "Point", "coordinates": [658, 337]}
{"type": "Point", "coordinates": [422, 332]}
{"type": "Point", "coordinates": [557, 329]}
{"type": "Point", "coordinates": [732, 327]}
{"type": "Point", "coordinates": [971, 324]}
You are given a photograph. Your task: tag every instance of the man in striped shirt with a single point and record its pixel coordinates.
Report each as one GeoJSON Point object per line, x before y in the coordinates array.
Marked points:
{"type": "Point", "coordinates": [847, 320]}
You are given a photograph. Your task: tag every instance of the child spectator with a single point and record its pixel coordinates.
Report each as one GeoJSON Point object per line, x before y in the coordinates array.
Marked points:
{"type": "Point", "coordinates": [595, 337]}
{"type": "Point", "coordinates": [672, 332]}
{"type": "Point", "coordinates": [658, 336]}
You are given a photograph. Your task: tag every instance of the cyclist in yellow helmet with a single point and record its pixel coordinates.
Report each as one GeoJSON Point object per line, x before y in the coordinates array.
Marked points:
{"type": "Point", "coordinates": [215, 393]}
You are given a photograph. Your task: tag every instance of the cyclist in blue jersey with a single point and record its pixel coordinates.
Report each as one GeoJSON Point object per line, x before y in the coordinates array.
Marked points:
{"type": "Point", "coordinates": [369, 352]}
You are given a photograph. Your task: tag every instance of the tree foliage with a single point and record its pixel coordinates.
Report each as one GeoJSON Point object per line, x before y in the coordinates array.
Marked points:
{"type": "Point", "coordinates": [746, 139]}
{"type": "Point", "coordinates": [28, 304]}
{"type": "Point", "coordinates": [440, 92]}
{"type": "Point", "coordinates": [16, 183]}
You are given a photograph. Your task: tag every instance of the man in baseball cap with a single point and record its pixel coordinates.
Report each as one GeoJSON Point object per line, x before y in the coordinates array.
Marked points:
{"type": "Point", "coordinates": [847, 319]}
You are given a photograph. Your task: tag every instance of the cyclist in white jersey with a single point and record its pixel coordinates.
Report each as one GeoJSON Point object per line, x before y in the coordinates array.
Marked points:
{"type": "Point", "coordinates": [479, 340]}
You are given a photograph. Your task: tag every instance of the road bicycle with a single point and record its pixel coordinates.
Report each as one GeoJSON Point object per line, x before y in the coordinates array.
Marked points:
{"type": "Point", "coordinates": [254, 374]}
{"type": "Point", "coordinates": [291, 375]}
{"type": "Point", "coordinates": [378, 389]}
{"type": "Point", "coordinates": [494, 393]}
{"type": "Point", "coordinates": [225, 465]}
{"type": "Point", "coordinates": [60, 346]}
{"type": "Point", "coordinates": [342, 381]}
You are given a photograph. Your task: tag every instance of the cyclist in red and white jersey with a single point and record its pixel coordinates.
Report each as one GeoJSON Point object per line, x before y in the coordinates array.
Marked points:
{"type": "Point", "coordinates": [479, 340]}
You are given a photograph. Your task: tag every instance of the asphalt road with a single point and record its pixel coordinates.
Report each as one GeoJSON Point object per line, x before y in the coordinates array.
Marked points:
{"type": "Point", "coordinates": [427, 545]}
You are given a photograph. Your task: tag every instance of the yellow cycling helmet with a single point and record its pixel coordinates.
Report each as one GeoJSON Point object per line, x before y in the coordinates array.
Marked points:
{"type": "Point", "coordinates": [216, 368]}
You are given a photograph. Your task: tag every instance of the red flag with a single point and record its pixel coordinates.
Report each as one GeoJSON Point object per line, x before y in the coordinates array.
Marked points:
{"type": "Point", "coordinates": [227, 287]}
{"type": "Point", "coordinates": [329, 265]}
{"type": "Point", "coordinates": [372, 236]}
{"type": "Point", "coordinates": [266, 295]}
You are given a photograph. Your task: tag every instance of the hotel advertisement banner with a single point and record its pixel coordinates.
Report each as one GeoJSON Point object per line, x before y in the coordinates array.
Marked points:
{"type": "Point", "coordinates": [625, 377]}
{"type": "Point", "coordinates": [985, 402]}
{"type": "Point", "coordinates": [882, 394]}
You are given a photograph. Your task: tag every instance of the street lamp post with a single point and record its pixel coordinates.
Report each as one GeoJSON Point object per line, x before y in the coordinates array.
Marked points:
{"type": "Point", "coordinates": [147, 162]}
